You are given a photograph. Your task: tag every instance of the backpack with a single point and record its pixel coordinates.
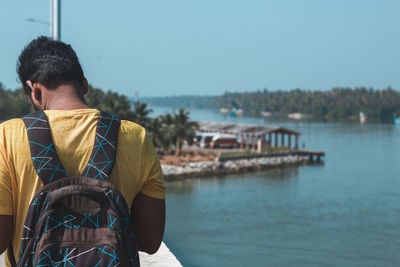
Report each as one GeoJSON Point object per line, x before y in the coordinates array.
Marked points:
{"type": "Point", "coordinates": [76, 221]}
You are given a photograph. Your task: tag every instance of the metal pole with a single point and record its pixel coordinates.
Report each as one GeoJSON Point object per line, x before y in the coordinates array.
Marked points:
{"type": "Point", "coordinates": [51, 17]}
{"type": "Point", "coordinates": [56, 19]}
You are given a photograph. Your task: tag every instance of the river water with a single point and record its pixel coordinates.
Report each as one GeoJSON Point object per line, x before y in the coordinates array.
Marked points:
{"type": "Point", "coordinates": [345, 212]}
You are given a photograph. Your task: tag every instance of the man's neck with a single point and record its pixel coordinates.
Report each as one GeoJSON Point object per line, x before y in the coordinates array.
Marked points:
{"type": "Point", "coordinates": [66, 103]}
{"type": "Point", "coordinates": [64, 98]}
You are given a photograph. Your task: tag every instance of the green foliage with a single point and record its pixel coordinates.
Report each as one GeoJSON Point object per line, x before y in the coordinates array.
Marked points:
{"type": "Point", "coordinates": [171, 131]}
{"type": "Point", "coordinates": [168, 131]}
{"type": "Point", "coordinates": [182, 101]}
{"type": "Point", "coordinates": [119, 105]}
{"type": "Point", "coordinates": [183, 129]}
{"type": "Point", "coordinates": [13, 103]}
{"type": "Point", "coordinates": [141, 113]}
{"type": "Point", "coordinates": [336, 104]}
{"type": "Point", "coordinates": [111, 102]}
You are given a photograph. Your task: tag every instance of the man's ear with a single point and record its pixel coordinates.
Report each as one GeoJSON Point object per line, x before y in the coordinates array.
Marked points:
{"type": "Point", "coordinates": [29, 84]}
{"type": "Point", "coordinates": [36, 93]}
{"type": "Point", "coordinates": [85, 86]}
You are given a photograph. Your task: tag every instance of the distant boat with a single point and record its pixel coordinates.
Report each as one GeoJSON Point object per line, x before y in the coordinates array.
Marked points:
{"type": "Point", "coordinates": [298, 116]}
{"type": "Point", "coordinates": [363, 117]}
{"type": "Point", "coordinates": [396, 120]}
{"type": "Point", "coordinates": [239, 112]}
{"type": "Point", "coordinates": [266, 114]}
{"type": "Point", "coordinates": [235, 112]}
{"type": "Point", "coordinates": [224, 110]}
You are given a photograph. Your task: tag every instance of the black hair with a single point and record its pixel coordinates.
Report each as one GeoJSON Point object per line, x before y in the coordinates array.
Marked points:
{"type": "Point", "coordinates": [49, 62]}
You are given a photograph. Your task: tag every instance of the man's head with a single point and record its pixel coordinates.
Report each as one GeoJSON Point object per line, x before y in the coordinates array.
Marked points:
{"type": "Point", "coordinates": [49, 64]}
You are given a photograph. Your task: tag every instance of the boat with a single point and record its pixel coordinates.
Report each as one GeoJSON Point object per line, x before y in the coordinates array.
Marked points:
{"type": "Point", "coordinates": [239, 112]}
{"type": "Point", "coordinates": [396, 120]}
{"type": "Point", "coordinates": [266, 114]}
{"type": "Point", "coordinates": [363, 117]}
{"type": "Point", "coordinates": [224, 110]}
{"type": "Point", "coordinates": [298, 116]}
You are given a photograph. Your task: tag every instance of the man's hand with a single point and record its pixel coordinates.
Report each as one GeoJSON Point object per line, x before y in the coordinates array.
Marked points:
{"type": "Point", "coordinates": [6, 230]}
{"type": "Point", "coordinates": [149, 214]}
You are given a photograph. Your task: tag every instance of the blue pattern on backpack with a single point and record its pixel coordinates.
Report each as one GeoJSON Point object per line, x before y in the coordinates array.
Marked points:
{"type": "Point", "coordinates": [104, 142]}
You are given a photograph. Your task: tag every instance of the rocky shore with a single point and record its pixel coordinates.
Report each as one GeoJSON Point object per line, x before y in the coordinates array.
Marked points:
{"type": "Point", "coordinates": [230, 166]}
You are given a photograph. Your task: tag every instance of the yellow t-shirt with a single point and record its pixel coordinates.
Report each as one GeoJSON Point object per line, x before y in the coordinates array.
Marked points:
{"type": "Point", "coordinates": [136, 169]}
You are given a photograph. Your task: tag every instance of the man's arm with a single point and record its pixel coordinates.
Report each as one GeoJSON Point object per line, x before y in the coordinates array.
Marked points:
{"type": "Point", "coordinates": [149, 216]}
{"type": "Point", "coordinates": [6, 230]}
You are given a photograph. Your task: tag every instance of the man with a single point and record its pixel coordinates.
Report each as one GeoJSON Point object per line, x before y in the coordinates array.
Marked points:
{"type": "Point", "coordinates": [53, 79]}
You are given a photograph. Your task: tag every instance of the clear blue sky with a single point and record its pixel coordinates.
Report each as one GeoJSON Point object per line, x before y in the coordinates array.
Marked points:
{"type": "Point", "coordinates": [175, 47]}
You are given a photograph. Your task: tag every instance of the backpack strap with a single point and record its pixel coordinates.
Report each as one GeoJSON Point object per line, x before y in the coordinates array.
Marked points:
{"type": "Point", "coordinates": [44, 156]}
{"type": "Point", "coordinates": [11, 257]}
{"type": "Point", "coordinates": [104, 151]}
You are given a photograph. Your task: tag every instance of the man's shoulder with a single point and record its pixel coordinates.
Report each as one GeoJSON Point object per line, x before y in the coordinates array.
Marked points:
{"type": "Point", "coordinates": [12, 124]}
{"type": "Point", "coordinates": [12, 133]}
{"type": "Point", "coordinates": [131, 129]}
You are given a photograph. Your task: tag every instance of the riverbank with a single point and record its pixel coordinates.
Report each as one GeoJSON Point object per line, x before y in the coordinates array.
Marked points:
{"type": "Point", "coordinates": [240, 164]}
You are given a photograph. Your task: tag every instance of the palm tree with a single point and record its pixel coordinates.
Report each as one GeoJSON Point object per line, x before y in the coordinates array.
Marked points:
{"type": "Point", "coordinates": [111, 102]}
{"type": "Point", "coordinates": [117, 104]}
{"type": "Point", "coordinates": [164, 138]}
{"type": "Point", "coordinates": [161, 133]}
{"type": "Point", "coordinates": [140, 114]}
{"type": "Point", "coordinates": [168, 131]}
{"type": "Point", "coordinates": [183, 129]}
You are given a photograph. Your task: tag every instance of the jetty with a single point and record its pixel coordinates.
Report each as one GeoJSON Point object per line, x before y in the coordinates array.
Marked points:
{"type": "Point", "coordinates": [241, 148]}
{"type": "Point", "coordinates": [241, 163]}
{"type": "Point", "coordinates": [311, 155]}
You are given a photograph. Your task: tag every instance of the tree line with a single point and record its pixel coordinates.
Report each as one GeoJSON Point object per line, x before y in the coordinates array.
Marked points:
{"type": "Point", "coordinates": [185, 101]}
{"type": "Point", "coordinates": [334, 104]}
{"type": "Point", "coordinates": [13, 103]}
{"type": "Point", "coordinates": [168, 131]}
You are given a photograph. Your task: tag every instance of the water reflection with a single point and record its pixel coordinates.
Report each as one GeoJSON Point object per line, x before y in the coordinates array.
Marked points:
{"type": "Point", "coordinates": [186, 186]}
{"type": "Point", "coordinates": [341, 213]}
{"type": "Point", "coordinates": [278, 173]}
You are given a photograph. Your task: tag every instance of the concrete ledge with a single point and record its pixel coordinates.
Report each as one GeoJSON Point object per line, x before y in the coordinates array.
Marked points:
{"type": "Point", "coordinates": [163, 258]}
{"type": "Point", "coordinates": [231, 166]}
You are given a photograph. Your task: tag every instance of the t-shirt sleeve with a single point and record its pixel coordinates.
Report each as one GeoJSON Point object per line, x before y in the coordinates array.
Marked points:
{"type": "Point", "coordinates": [154, 185]}
{"type": "Point", "coordinates": [6, 202]}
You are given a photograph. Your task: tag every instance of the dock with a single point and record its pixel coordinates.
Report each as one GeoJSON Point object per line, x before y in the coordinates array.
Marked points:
{"type": "Point", "coordinates": [242, 163]}
{"type": "Point", "coordinates": [312, 155]}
